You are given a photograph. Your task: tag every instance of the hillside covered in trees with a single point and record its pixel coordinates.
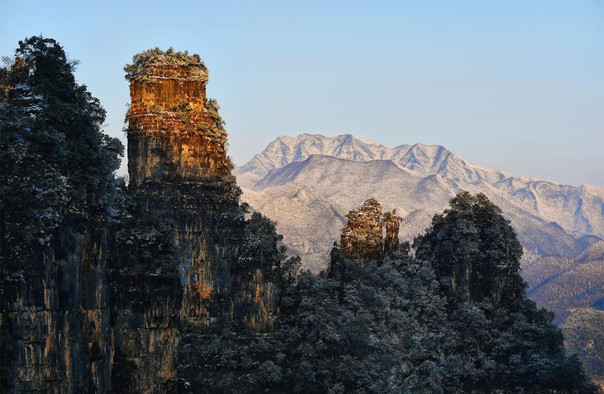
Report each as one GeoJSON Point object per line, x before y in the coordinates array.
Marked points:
{"type": "Point", "coordinates": [169, 284]}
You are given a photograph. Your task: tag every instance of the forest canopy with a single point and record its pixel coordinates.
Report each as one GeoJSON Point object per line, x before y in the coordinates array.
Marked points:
{"type": "Point", "coordinates": [57, 164]}
{"type": "Point", "coordinates": [400, 323]}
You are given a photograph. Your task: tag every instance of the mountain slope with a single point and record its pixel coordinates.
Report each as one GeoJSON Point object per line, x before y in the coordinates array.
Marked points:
{"type": "Point", "coordinates": [308, 221]}
{"type": "Point", "coordinates": [583, 335]}
{"type": "Point", "coordinates": [561, 284]}
{"type": "Point", "coordinates": [285, 150]}
{"type": "Point", "coordinates": [344, 184]}
{"type": "Point", "coordinates": [418, 180]}
{"type": "Point", "coordinates": [578, 210]}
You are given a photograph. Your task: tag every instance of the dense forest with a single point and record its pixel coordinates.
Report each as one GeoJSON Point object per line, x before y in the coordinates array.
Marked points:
{"type": "Point", "coordinates": [401, 324]}
{"type": "Point", "coordinates": [169, 284]}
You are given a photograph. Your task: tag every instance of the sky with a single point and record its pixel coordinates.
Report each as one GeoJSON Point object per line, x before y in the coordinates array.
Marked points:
{"type": "Point", "coordinates": [510, 84]}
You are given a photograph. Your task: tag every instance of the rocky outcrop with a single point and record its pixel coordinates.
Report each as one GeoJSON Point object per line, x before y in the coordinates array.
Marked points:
{"type": "Point", "coordinates": [174, 131]}
{"type": "Point", "coordinates": [363, 236]}
{"type": "Point", "coordinates": [392, 222]}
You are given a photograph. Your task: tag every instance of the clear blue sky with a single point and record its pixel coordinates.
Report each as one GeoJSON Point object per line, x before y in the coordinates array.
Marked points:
{"type": "Point", "coordinates": [516, 85]}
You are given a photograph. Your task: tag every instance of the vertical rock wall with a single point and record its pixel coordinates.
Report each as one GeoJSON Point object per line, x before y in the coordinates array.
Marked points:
{"type": "Point", "coordinates": [392, 223]}
{"type": "Point", "coordinates": [176, 256]}
{"type": "Point", "coordinates": [173, 133]}
{"type": "Point", "coordinates": [55, 321]}
{"type": "Point", "coordinates": [362, 237]}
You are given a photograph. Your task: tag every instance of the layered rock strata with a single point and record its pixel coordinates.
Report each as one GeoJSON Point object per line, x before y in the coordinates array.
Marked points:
{"type": "Point", "coordinates": [176, 256]}
{"type": "Point", "coordinates": [174, 131]}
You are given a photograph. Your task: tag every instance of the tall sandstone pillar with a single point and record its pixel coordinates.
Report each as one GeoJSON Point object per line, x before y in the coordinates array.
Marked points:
{"type": "Point", "coordinates": [177, 164]}
{"type": "Point", "coordinates": [177, 259]}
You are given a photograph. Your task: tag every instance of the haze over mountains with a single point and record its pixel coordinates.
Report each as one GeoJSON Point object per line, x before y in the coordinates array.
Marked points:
{"type": "Point", "coordinates": [307, 183]}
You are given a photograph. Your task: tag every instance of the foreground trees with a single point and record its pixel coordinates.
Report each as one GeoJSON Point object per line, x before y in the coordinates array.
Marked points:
{"type": "Point", "coordinates": [403, 324]}
{"type": "Point", "coordinates": [474, 252]}
{"type": "Point", "coordinates": [56, 163]}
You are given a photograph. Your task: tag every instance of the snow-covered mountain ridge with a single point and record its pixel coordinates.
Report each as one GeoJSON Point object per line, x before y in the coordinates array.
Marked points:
{"type": "Point", "coordinates": [418, 158]}
{"type": "Point", "coordinates": [418, 180]}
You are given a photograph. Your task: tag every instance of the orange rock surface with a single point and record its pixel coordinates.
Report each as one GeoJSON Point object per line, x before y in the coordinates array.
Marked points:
{"type": "Point", "coordinates": [174, 131]}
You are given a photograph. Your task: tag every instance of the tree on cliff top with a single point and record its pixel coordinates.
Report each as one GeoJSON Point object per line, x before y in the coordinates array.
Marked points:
{"type": "Point", "coordinates": [56, 162]}
{"type": "Point", "coordinates": [143, 63]}
{"type": "Point", "coordinates": [476, 257]}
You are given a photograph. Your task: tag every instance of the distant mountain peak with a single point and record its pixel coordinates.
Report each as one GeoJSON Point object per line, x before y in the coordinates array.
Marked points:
{"type": "Point", "coordinates": [286, 149]}
{"type": "Point", "coordinates": [421, 159]}
{"type": "Point", "coordinates": [418, 180]}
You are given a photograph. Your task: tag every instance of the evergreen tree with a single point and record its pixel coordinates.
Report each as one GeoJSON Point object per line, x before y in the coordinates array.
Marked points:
{"type": "Point", "coordinates": [56, 190]}
{"type": "Point", "coordinates": [474, 251]}
{"type": "Point", "coordinates": [390, 325]}
{"type": "Point", "coordinates": [57, 165]}
{"type": "Point", "coordinates": [498, 339]}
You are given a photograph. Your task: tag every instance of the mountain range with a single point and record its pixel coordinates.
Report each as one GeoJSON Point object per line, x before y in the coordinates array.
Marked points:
{"type": "Point", "coordinates": [309, 182]}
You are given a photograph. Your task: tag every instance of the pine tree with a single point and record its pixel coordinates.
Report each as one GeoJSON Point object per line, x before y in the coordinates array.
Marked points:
{"type": "Point", "coordinates": [56, 162]}
{"type": "Point", "coordinates": [497, 339]}
{"type": "Point", "coordinates": [474, 251]}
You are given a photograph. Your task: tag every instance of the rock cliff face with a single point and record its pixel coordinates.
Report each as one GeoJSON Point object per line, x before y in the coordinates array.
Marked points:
{"type": "Point", "coordinates": [55, 318]}
{"type": "Point", "coordinates": [392, 223]}
{"type": "Point", "coordinates": [176, 255]}
{"type": "Point", "coordinates": [99, 305]}
{"type": "Point", "coordinates": [56, 188]}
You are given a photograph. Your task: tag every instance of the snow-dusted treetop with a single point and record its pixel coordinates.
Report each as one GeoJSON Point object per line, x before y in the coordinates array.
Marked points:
{"type": "Point", "coordinates": [144, 64]}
